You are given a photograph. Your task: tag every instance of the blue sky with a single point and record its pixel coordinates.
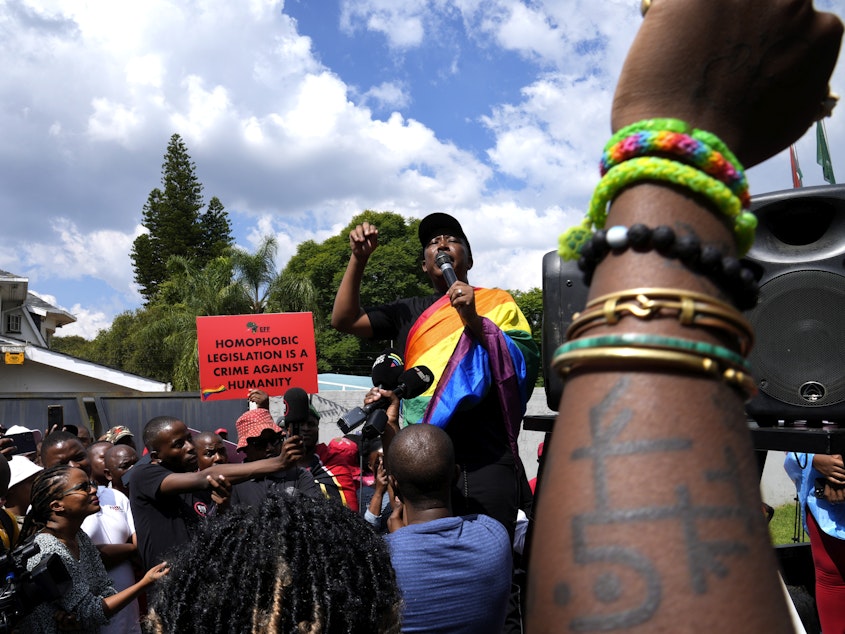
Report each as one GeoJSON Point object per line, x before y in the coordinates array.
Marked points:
{"type": "Point", "coordinates": [301, 114]}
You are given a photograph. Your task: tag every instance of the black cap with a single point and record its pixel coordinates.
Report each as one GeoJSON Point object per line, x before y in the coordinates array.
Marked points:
{"type": "Point", "coordinates": [432, 223]}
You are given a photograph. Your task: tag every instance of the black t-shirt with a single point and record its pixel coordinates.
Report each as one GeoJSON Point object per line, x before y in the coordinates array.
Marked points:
{"type": "Point", "coordinates": [162, 521]}
{"type": "Point", "coordinates": [254, 492]}
{"type": "Point", "coordinates": [393, 321]}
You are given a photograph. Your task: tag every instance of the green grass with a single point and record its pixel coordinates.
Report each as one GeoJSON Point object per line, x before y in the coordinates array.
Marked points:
{"type": "Point", "coordinates": [782, 526]}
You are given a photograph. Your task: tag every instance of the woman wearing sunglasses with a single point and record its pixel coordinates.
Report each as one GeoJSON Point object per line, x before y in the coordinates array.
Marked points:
{"type": "Point", "coordinates": [62, 497]}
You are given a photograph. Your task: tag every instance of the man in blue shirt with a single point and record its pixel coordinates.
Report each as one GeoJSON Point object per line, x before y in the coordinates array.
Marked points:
{"type": "Point", "coordinates": [454, 572]}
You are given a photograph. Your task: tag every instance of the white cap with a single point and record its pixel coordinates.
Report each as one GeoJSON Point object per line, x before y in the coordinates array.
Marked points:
{"type": "Point", "coordinates": [17, 429]}
{"type": "Point", "coordinates": [22, 468]}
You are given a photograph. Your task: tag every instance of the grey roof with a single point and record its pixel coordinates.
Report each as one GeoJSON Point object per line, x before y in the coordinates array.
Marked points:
{"type": "Point", "coordinates": [36, 302]}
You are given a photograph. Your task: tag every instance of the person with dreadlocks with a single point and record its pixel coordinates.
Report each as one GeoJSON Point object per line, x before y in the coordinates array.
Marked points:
{"type": "Point", "coordinates": [62, 497]}
{"type": "Point", "coordinates": [291, 564]}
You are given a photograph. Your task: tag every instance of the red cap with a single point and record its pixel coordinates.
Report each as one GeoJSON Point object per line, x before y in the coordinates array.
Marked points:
{"type": "Point", "coordinates": [221, 430]}
{"type": "Point", "coordinates": [252, 423]}
{"type": "Point", "coordinates": [344, 451]}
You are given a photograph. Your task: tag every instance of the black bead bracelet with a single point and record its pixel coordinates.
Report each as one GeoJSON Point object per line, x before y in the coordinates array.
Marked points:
{"type": "Point", "coordinates": [728, 273]}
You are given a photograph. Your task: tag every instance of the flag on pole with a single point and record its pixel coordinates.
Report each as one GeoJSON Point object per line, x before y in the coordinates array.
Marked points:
{"type": "Point", "coordinates": [797, 176]}
{"type": "Point", "coordinates": [823, 153]}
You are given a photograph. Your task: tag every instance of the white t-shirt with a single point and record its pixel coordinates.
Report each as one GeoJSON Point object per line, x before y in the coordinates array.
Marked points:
{"type": "Point", "coordinates": [113, 524]}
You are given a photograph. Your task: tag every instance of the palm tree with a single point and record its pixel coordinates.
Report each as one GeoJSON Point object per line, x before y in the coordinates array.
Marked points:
{"type": "Point", "coordinates": [188, 293]}
{"type": "Point", "coordinates": [294, 293]}
{"type": "Point", "coordinates": [256, 272]}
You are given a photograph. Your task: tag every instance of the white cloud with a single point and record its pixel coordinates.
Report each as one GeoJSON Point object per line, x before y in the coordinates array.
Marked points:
{"type": "Point", "coordinates": [88, 322]}
{"type": "Point", "coordinates": [549, 139]}
{"type": "Point", "coordinates": [387, 95]}
{"type": "Point", "coordinates": [400, 21]}
{"type": "Point", "coordinates": [203, 111]}
{"type": "Point", "coordinates": [145, 70]}
{"type": "Point", "coordinates": [98, 254]}
{"type": "Point", "coordinates": [111, 121]}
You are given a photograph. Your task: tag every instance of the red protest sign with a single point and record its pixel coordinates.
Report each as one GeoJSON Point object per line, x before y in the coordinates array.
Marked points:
{"type": "Point", "coordinates": [270, 352]}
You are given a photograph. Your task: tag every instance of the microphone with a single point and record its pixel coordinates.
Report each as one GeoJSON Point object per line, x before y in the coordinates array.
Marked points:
{"type": "Point", "coordinates": [412, 383]}
{"type": "Point", "coordinates": [444, 263]}
{"type": "Point", "coordinates": [296, 409]}
{"type": "Point", "coordinates": [376, 424]}
{"type": "Point", "coordinates": [387, 368]}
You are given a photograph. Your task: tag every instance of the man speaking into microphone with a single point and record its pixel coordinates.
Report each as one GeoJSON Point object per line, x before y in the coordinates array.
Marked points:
{"type": "Point", "coordinates": [478, 345]}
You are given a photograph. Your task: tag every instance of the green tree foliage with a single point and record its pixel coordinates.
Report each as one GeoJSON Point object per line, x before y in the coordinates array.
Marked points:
{"type": "Point", "coordinates": [74, 345]}
{"type": "Point", "coordinates": [172, 216]}
{"type": "Point", "coordinates": [159, 341]}
{"type": "Point", "coordinates": [215, 232]}
{"type": "Point", "coordinates": [192, 291]}
{"type": "Point", "coordinates": [393, 271]}
{"type": "Point", "coordinates": [530, 302]}
{"type": "Point", "coordinates": [125, 346]}
{"type": "Point", "coordinates": [256, 272]}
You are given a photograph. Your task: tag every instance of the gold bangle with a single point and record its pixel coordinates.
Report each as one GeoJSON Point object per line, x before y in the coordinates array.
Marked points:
{"type": "Point", "coordinates": [662, 293]}
{"type": "Point", "coordinates": [691, 309]}
{"type": "Point", "coordinates": [672, 359]}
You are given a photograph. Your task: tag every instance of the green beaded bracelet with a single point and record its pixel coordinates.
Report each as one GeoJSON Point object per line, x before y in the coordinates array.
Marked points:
{"type": "Point", "coordinates": [657, 169]}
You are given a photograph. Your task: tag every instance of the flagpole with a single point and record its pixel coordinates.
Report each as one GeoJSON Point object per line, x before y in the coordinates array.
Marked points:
{"type": "Point", "coordinates": [823, 152]}
{"type": "Point", "coordinates": [797, 176]}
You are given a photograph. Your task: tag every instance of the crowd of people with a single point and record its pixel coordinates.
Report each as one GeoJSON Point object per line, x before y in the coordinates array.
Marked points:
{"type": "Point", "coordinates": [648, 506]}
{"type": "Point", "coordinates": [275, 542]}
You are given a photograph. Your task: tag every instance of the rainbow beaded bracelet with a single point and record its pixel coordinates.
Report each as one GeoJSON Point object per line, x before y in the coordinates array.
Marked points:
{"type": "Point", "coordinates": [679, 127]}
{"type": "Point", "coordinates": [688, 148]}
{"type": "Point", "coordinates": [704, 150]}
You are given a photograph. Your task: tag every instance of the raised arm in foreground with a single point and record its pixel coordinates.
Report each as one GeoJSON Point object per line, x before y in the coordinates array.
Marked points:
{"type": "Point", "coordinates": [661, 529]}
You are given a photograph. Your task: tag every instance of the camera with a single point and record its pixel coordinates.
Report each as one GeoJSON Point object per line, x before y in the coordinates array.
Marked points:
{"type": "Point", "coordinates": [27, 589]}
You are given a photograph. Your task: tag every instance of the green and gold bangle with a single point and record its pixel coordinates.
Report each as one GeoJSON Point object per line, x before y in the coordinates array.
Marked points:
{"type": "Point", "coordinates": [613, 357]}
{"type": "Point", "coordinates": [660, 342]}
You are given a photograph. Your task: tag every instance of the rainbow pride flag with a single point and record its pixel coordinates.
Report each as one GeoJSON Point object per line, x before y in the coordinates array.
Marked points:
{"type": "Point", "coordinates": [464, 369]}
{"type": "Point", "coordinates": [213, 390]}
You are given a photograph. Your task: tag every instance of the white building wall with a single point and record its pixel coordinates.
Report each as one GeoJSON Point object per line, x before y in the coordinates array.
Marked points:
{"type": "Point", "coordinates": [34, 377]}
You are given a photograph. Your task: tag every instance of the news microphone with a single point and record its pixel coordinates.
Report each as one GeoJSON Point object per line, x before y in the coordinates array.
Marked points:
{"type": "Point", "coordinates": [387, 369]}
{"type": "Point", "coordinates": [444, 263]}
{"type": "Point", "coordinates": [296, 409]}
{"type": "Point", "coordinates": [412, 383]}
{"type": "Point", "coordinates": [376, 424]}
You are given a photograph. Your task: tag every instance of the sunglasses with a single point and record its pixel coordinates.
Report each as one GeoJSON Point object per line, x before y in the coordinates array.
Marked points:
{"type": "Point", "coordinates": [261, 442]}
{"type": "Point", "coordinates": [84, 487]}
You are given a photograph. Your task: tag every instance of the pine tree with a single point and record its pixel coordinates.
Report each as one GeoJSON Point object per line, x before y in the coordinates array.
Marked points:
{"type": "Point", "coordinates": [174, 222]}
{"type": "Point", "coordinates": [215, 232]}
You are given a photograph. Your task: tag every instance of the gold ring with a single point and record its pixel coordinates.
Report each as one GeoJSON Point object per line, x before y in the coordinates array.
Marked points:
{"type": "Point", "coordinates": [645, 5]}
{"type": "Point", "coordinates": [828, 104]}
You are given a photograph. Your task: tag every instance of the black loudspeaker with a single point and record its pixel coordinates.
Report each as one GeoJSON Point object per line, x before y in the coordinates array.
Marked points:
{"type": "Point", "coordinates": [564, 294]}
{"type": "Point", "coordinates": [799, 321]}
